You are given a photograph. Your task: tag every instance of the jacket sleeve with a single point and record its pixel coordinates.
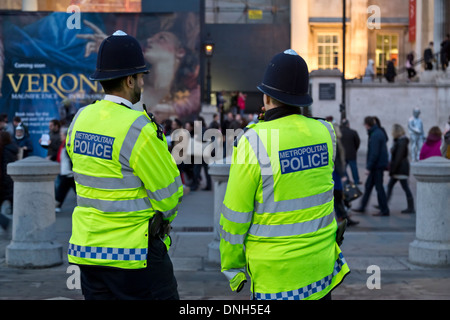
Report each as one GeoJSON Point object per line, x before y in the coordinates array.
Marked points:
{"type": "Point", "coordinates": [155, 166]}
{"type": "Point", "coordinates": [237, 209]}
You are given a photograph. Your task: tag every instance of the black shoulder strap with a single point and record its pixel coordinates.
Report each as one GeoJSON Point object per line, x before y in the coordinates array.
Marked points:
{"type": "Point", "coordinates": [159, 128]}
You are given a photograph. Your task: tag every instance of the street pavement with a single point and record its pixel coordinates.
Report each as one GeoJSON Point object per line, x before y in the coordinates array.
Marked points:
{"type": "Point", "coordinates": [382, 242]}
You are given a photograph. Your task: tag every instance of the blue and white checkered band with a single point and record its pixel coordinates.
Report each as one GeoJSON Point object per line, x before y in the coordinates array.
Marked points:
{"type": "Point", "coordinates": [305, 292]}
{"type": "Point", "coordinates": [122, 254]}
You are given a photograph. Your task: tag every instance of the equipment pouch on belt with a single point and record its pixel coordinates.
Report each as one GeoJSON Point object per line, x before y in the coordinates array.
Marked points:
{"type": "Point", "coordinates": [159, 228]}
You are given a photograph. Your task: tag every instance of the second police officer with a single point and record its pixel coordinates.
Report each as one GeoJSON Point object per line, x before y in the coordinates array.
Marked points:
{"type": "Point", "coordinates": [278, 221]}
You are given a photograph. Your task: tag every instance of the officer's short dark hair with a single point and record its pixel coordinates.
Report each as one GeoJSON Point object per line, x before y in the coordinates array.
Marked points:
{"type": "Point", "coordinates": [276, 102]}
{"type": "Point", "coordinates": [114, 84]}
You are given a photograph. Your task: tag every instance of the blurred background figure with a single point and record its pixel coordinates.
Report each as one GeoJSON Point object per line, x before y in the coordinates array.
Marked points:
{"type": "Point", "coordinates": [399, 166]}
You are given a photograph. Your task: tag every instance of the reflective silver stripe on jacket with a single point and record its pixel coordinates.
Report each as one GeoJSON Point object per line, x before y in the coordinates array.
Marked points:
{"type": "Point", "coordinates": [128, 181]}
{"type": "Point", "coordinates": [115, 205]}
{"type": "Point", "coordinates": [230, 274]}
{"type": "Point", "coordinates": [69, 132]}
{"type": "Point", "coordinates": [167, 214]}
{"type": "Point", "coordinates": [131, 138]}
{"type": "Point", "coordinates": [294, 204]}
{"type": "Point", "coordinates": [232, 238]}
{"type": "Point", "coordinates": [281, 230]}
{"type": "Point", "coordinates": [329, 126]}
{"type": "Point", "coordinates": [266, 169]}
{"type": "Point", "coordinates": [235, 216]}
{"type": "Point", "coordinates": [286, 230]}
{"type": "Point", "coordinates": [166, 192]}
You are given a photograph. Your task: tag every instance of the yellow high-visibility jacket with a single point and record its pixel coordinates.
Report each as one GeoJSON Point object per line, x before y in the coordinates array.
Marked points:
{"type": "Point", "coordinates": [278, 218]}
{"type": "Point", "coordinates": [124, 173]}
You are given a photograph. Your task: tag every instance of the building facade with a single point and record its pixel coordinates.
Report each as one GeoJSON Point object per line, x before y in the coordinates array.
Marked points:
{"type": "Point", "coordinates": [375, 29]}
{"type": "Point", "coordinates": [380, 30]}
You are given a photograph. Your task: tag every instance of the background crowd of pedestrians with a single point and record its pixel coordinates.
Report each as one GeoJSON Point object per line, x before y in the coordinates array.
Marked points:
{"type": "Point", "coordinates": [15, 144]}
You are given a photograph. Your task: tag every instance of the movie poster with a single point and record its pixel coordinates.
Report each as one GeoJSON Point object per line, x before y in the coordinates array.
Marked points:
{"type": "Point", "coordinates": [45, 63]}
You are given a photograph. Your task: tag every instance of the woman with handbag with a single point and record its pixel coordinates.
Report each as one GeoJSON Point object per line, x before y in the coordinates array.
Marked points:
{"type": "Point", "coordinates": [399, 166]}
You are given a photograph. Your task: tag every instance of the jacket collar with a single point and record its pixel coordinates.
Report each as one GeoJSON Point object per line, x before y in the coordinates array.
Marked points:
{"type": "Point", "coordinates": [118, 100]}
{"type": "Point", "coordinates": [279, 112]}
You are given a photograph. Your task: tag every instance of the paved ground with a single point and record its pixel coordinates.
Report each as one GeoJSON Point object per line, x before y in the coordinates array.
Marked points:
{"type": "Point", "coordinates": [379, 241]}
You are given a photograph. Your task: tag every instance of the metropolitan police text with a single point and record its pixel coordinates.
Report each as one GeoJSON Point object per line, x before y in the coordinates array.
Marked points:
{"type": "Point", "coordinates": [93, 145]}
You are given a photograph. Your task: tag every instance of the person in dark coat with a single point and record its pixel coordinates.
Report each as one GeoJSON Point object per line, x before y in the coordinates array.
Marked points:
{"type": "Point", "coordinates": [8, 153]}
{"type": "Point", "coordinates": [391, 72]}
{"type": "Point", "coordinates": [428, 57]}
{"type": "Point", "coordinates": [377, 162]}
{"type": "Point", "coordinates": [399, 166]}
{"type": "Point", "coordinates": [351, 142]}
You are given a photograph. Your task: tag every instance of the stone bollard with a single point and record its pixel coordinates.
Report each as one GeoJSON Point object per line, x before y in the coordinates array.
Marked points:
{"type": "Point", "coordinates": [33, 242]}
{"type": "Point", "coordinates": [432, 244]}
{"type": "Point", "coordinates": [219, 174]}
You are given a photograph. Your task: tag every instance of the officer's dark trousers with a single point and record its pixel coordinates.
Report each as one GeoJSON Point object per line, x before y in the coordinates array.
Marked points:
{"type": "Point", "coordinates": [156, 282]}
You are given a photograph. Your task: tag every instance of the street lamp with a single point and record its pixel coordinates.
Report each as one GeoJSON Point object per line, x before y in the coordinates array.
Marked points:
{"type": "Point", "coordinates": [342, 107]}
{"type": "Point", "coordinates": [209, 51]}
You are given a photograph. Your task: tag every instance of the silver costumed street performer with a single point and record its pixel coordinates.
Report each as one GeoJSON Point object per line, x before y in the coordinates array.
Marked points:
{"type": "Point", "coordinates": [416, 134]}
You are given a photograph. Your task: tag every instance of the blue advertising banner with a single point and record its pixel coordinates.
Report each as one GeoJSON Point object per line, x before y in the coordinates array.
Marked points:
{"type": "Point", "coordinates": [46, 60]}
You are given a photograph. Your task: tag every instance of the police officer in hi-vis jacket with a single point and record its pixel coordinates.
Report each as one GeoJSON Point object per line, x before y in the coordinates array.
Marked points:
{"type": "Point", "coordinates": [127, 183]}
{"type": "Point", "coordinates": [277, 221]}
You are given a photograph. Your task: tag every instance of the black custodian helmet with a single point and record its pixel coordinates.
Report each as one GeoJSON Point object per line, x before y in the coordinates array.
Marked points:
{"type": "Point", "coordinates": [287, 79]}
{"type": "Point", "coordinates": [119, 55]}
